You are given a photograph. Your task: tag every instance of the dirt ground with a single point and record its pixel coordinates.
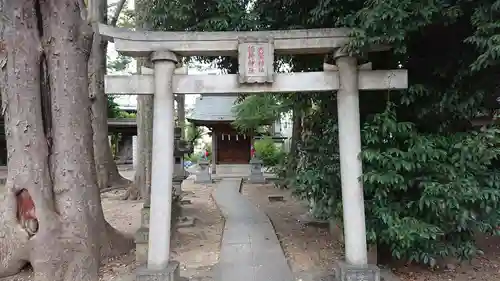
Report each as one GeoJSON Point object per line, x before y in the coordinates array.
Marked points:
{"type": "Point", "coordinates": [311, 249]}
{"type": "Point", "coordinates": [196, 248]}
{"type": "Point", "coordinates": [308, 249]}
{"type": "Point", "coordinates": [486, 267]}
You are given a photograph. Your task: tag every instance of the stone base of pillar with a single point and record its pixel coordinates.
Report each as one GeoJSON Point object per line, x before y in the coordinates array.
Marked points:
{"type": "Point", "coordinates": [347, 272]}
{"type": "Point", "coordinates": [170, 273]}
{"type": "Point", "coordinates": [336, 230]}
{"type": "Point", "coordinates": [145, 217]}
{"type": "Point", "coordinates": [179, 177]}
{"type": "Point", "coordinates": [142, 234]}
{"type": "Point", "coordinates": [257, 179]}
{"type": "Point", "coordinates": [256, 174]}
{"type": "Point", "coordinates": [177, 183]}
{"type": "Point", "coordinates": [176, 214]}
{"type": "Point", "coordinates": [141, 245]}
{"type": "Point", "coordinates": [203, 180]}
{"type": "Point", "coordinates": [179, 170]}
{"type": "Point", "coordinates": [203, 175]}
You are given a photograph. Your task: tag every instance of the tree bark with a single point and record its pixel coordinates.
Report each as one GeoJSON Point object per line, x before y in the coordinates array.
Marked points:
{"type": "Point", "coordinates": [107, 171]}
{"type": "Point", "coordinates": [142, 179]}
{"type": "Point", "coordinates": [296, 123]}
{"type": "Point", "coordinates": [46, 104]}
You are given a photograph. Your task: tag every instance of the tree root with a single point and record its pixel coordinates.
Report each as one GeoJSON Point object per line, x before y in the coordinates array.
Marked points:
{"type": "Point", "coordinates": [17, 248]}
{"type": "Point", "coordinates": [132, 193]}
{"type": "Point", "coordinates": [13, 238]}
{"type": "Point", "coordinates": [119, 180]}
{"type": "Point", "coordinates": [118, 183]}
{"type": "Point", "coordinates": [116, 244]}
{"type": "Point", "coordinates": [115, 178]}
{"type": "Point", "coordinates": [104, 190]}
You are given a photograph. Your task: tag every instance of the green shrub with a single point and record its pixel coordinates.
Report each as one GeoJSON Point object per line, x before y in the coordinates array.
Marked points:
{"type": "Point", "coordinates": [267, 151]}
{"type": "Point", "coordinates": [426, 194]}
{"type": "Point", "coordinates": [282, 170]}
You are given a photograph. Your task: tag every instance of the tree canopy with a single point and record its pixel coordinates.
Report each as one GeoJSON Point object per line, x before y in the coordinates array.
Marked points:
{"type": "Point", "coordinates": [257, 110]}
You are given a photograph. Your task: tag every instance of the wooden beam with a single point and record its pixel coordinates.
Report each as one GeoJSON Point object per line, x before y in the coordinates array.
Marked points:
{"type": "Point", "coordinates": [284, 83]}
{"type": "Point", "coordinates": [225, 43]}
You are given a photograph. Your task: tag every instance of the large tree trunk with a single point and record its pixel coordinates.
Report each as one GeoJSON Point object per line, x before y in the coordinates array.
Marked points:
{"type": "Point", "coordinates": [296, 130]}
{"type": "Point", "coordinates": [57, 224]}
{"type": "Point", "coordinates": [107, 171]}
{"type": "Point", "coordinates": [142, 180]}
{"type": "Point", "coordinates": [292, 162]}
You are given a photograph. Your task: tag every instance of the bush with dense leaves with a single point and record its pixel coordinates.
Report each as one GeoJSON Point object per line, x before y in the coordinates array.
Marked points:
{"type": "Point", "coordinates": [268, 152]}
{"type": "Point", "coordinates": [426, 195]}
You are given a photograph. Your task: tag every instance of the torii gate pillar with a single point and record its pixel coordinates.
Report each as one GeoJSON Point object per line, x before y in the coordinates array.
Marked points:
{"type": "Point", "coordinates": [162, 164]}
{"type": "Point", "coordinates": [356, 260]}
{"type": "Point", "coordinates": [350, 162]}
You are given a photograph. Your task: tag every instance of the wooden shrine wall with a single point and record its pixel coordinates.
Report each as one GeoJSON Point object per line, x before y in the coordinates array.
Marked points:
{"type": "Point", "coordinates": [232, 147]}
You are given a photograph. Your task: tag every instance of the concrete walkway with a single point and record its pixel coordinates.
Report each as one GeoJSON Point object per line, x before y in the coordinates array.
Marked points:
{"type": "Point", "coordinates": [250, 250]}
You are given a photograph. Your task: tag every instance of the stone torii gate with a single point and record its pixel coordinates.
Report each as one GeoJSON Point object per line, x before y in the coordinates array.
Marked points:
{"type": "Point", "coordinates": [256, 75]}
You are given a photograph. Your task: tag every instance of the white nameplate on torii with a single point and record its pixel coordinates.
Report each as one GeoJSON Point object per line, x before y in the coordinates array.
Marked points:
{"type": "Point", "coordinates": [255, 60]}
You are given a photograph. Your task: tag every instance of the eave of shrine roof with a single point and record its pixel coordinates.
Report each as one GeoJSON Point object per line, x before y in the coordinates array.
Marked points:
{"type": "Point", "coordinates": [214, 108]}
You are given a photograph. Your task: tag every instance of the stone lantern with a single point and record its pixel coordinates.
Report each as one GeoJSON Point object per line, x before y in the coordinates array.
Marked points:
{"type": "Point", "coordinates": [256, 174]}
{"type": "Point", "coordinates": [181, 148]}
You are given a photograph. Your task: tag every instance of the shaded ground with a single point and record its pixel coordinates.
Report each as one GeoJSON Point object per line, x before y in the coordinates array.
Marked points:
{"type": "Point", "coordinates": [196, 248]}
{"type": "Point", "coordinates": [312, 251]}
{"type": "Point", "coordinates": [486, 267]}
{"type": "Point", "coordinates": [308, 249]}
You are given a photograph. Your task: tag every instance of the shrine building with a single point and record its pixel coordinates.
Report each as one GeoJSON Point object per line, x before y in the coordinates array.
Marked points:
{"type": "Point", "coordinates": [229, 147]}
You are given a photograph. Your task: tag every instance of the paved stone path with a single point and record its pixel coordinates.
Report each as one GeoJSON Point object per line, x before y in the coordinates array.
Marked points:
{"type": "Point", "coordinates": [250, 250]}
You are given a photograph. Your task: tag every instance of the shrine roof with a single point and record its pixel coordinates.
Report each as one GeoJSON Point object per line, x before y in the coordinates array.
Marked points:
{"type": "Point", "coordinates": [213, 108]}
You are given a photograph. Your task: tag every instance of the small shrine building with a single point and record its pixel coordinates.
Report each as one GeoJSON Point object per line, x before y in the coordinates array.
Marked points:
{"type": "Point", "coordinates": [229, 147]}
